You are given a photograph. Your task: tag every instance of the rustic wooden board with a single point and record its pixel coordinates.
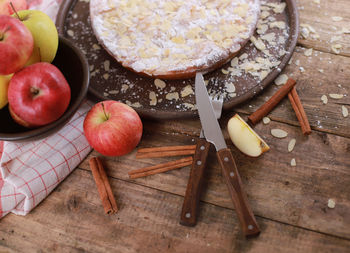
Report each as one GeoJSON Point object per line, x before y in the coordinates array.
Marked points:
{"type": "Point", "coordinates": [293, 195]}
{"type": "Point", "coordinates": [311, 85]}
{"type": "Point", "coordinates": [74, 222]}
{"type": "Point", "coordinates": [290, 202]}
{"type": "Point", "coordinates": [319, 16]}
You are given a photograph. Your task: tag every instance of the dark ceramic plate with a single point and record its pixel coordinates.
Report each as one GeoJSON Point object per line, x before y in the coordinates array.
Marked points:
{"type": "Point", "coordinates": [109, 80]}
{"type": "Point", "coordinates": [75, 68]}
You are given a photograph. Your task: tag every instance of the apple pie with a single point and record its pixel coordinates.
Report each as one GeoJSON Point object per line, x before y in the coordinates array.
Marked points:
{"type": "Point", "coordinates": [173, 39]}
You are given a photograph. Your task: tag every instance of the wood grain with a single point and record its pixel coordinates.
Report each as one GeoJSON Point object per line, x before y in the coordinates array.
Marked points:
{"type": "Point", "coordinates": [290, 202]}
{"type": "Point", "coordinates": [146, 222]}
{"type": "Point", "coordinates": [311, 85]}
{"type": "Point", "coordinates": [293, 195]}
{"type": "Point", "coordinates": [319, 16]}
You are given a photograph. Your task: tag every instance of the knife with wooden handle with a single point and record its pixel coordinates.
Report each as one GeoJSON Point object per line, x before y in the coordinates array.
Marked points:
{"type": "Point", "coordinates": [213, 134]}
{"type": "Point", "coordinates": [194, 186]}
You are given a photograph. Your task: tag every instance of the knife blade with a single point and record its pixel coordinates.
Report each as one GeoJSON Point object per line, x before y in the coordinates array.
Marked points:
{"type": "Point", "coordinates": [213, 134]}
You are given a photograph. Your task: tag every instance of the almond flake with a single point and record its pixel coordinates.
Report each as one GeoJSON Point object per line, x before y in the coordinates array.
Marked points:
{"type": "Point", "coordinates": [344, 111]}
{"type": "Point", "coordinates": [70, 33]}
{"type": "Point", "coordinates": [106, 76]}
{"type": "Point", "coordinates": [189, 106]}
{"type": "Point", "coordinates": [293, 163]}
{"type": "Point", "coordinates": [96, 47]}
{"type": "Point", "coordinates": [153, 98]}
{"type": "Point", "coordinates": [113, 92]}
{"type": "Point", "coordinates": [279, 133]}
{"type": "Point", "coordinates": [304, 32]}
{"type": "Point", "coordinates": [331, 203]}
{"type": "Point", "coordinates": [172, 95]}
{"type": "Point", "coordinates": [230, 87]}
{"type": "Point", "coordinates": [224, 71]}
{"type": "Point", "coordinates": [264, 14]}
{"type": "Point", "coordinates": [136, 105]}
{"type": "Point", "coordinates": [124, 88]}
{"type": "Point", "coordinates": [281, 79]}
{"type": "Point", "coordinates": [262, 28]}
{"type": "Point", "coordinates": [187, 90]}
{"type": "Point", "coordinates": [266, 120]}
{"type": "Point", "coordinates": [160, 84]}
{"type": "Point", "coordinates": [316, 1]}
{"type": "Point", "coordinates": [106, 65]}
{"type": "Point", "coordinates": [263, 74]}
{"type": "Point", "coordinates": [258, 43]}
{"type": "Point", "coordinates": [336, 48]}
{"type": "Point", "coordinates": [278, 24]}
{"type": "Point", "coordinates": [336, 96]}
{"type": "Point", "coordinates": [234, 62]}
{"type": "Point", "coordinates": [308, 52]}
{"type": "Point", "coordinates": [324, 99]}
{"type": "Point", "coordinates": [243, 56]}
{"type": "Point", "coordinates": [291, 145]}
{"type": "Point", "coordinates": [279, 8]}
{"type": "Point", "coordinates": [337, 18]}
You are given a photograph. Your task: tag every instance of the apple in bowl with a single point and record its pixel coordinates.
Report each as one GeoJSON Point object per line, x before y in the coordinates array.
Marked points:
{"type": "Point", "coordinates": [112, 128]}
{"type": "Point", "coordinates": [16, 44]}
{"type": "Point", "coordinates": [44, 33]}
{"type": "Point", "coordinates": [38, 95]}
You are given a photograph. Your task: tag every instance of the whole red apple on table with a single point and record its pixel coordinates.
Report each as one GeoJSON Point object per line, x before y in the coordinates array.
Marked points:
{"type": "Point", "coordinates": [16, 44]}
{"type": "Point", "coordinates": [38, 95]}
{"type": "Point", "coordinates": [6, 9]}
{"type": "Point", "coordinates": [112, 128]}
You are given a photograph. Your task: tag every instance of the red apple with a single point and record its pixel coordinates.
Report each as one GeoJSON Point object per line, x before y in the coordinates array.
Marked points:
{"type": "Point", "coordinates": [38, 95]}
{"type": "Point", "coordinates": [16, 44]}
{"type": "Point", "coordinates": [6, 9]}
{"type": "Point", "coordinates": [112, 128]}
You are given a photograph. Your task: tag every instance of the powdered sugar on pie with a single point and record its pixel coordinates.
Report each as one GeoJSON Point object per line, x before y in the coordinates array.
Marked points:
{"type": "Point", "coordinates": [173, 38]}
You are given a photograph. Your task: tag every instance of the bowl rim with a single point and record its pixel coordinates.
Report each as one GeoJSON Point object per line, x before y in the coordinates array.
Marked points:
{"type": "Point", "coordinates": [48, 129]}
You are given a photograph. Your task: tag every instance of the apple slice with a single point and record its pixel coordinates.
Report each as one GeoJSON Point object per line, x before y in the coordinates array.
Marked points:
{"type": "Point", "coordinates": [245, 138]}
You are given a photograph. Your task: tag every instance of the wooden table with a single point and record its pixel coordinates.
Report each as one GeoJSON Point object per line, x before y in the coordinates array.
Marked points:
{"type": "Point", "coordinates": [290, 203]}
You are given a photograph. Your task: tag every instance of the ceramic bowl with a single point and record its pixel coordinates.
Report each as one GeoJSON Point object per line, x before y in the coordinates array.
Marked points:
{"type": "Point", "coordinates": [74, 66]}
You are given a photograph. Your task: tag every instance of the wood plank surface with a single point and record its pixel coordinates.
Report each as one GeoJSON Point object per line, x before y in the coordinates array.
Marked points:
{"type": "Point", "coordinates": [311, 85]}
{"type": "Point", "coordinates": [321, 18]}
{"type": "Point", "coordinates": [293, 195]}
{"type": "Point", "coordinates": [147, 222]}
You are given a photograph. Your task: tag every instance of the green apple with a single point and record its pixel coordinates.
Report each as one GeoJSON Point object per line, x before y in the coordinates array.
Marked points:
{"type": "Point", "coordinates": [44, 33]}
{"type": "Point", "coordinates": [4, 84]}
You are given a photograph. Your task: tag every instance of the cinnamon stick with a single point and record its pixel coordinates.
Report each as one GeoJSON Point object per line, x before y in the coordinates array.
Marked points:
{"type": "Point", "coordinates": [166, 148]}
{"type": "Point", "coordinates": [161, 165]}
{"type": "Point", "coordinates": [165, 153]}
{"type": "Point", "coordinates": [103, 186]}
{"type": "Point", "coordinates": [272, 102]}
{"type": "Point", "coordinates": [161, 169]}
{"type": "Point", "coordinates": [299, 111]}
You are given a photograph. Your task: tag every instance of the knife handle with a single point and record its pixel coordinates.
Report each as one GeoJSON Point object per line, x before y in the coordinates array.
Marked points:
{"type": "Point", "coordinates": [238, 196]}
{"type": "Point", "coordinates": [194, 185]}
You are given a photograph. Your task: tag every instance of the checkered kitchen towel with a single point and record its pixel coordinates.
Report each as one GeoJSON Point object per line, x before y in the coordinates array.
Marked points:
{"type": "Point", "coordinates": [29, 171]}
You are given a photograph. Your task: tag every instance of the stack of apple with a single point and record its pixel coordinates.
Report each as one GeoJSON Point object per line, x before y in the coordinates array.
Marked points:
{"type": "Point", "coordinates": [36, 91]}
